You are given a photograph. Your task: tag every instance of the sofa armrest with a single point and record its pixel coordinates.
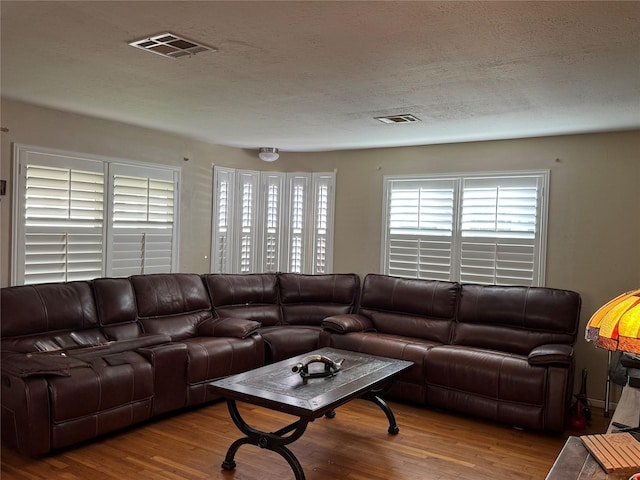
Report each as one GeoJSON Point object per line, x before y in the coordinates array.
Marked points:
{"type": "Point", "coordinates": [228, 327]}
{"type": "Point", "coordinates": [23, 365]}
{"type": "Point", "coordinates": [26, 414]}
{"type": "Point", "coordinates": [119, 346]}
{"type": "Point", "coordinates": [551, 354]}
{"type": "Point", "coordinates": [348, 323]}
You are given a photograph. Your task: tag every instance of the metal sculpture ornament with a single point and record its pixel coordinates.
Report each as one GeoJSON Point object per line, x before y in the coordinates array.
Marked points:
{"type": "Point", "coordinates": [331, 367]}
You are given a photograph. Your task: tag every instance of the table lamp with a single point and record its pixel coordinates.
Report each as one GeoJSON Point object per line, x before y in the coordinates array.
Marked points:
{"type": "Point", "coordinates": [616, 325]}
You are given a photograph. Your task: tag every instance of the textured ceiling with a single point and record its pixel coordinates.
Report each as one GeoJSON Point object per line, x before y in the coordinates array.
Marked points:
{"type": "Point", "coordinates": [310, 76]}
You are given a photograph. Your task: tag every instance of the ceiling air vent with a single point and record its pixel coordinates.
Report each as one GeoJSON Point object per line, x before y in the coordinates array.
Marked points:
{"type": "Point", "coordinates": [404, 118]}
{"type": "Point", "coordinates": [171, 45]}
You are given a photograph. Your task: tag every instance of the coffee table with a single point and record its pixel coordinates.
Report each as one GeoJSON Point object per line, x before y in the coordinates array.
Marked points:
{"type": "Point", "coordinates": [277, 387]}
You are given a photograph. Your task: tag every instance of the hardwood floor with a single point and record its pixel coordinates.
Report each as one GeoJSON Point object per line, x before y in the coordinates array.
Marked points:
{"type": "Point", "coordinates": [431, 445]}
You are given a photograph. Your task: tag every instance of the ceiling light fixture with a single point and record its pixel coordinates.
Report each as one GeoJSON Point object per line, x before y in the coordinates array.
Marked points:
{"type": "Point", "coordinates": [269, 154]}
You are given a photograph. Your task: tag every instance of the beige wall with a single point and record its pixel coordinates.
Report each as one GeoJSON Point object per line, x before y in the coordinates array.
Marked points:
{"type": "Point", "coordinates": [593, 238]}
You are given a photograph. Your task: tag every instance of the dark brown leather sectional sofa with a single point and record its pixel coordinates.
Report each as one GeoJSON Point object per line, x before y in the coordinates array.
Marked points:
{"type": "Point", "coordinates": [129, 349]}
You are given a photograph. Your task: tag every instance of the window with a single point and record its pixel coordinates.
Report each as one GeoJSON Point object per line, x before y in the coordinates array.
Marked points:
{"type": "Point", "coordinates": [78, 217]}
{"type": "Point", "coordinates": [270, 221]}
{"type": "Point", "coordinates": [488, 229]}
{"type": "Point", "coordinates": [142, 221]}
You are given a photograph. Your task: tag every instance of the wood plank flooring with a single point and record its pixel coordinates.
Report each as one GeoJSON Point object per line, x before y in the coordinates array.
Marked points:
{"type": "Point", "coordinates": [355, 445]}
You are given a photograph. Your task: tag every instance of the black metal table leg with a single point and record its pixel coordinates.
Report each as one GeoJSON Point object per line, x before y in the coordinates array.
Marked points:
{"type": "Point", "coordinates": [393, 426]}
{"type": "Point", "coordinates": [274, 441]}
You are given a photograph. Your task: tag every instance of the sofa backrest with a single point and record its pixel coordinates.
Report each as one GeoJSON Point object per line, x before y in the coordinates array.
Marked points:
{"type": "Point", "coordinates": [410, 307]}
{"type": "Point", "coordinates": [171, 303]}
{"type": "Point", "coordinates": [252, 296]}
{"type": "Point", "coordinates": [47, 312]}
{"type": "Point", "coordinates": [116, 306]}
{"type": "Point", "coordinates": [309, 299]}
{"type": "Point", "coordinates": [516, 319]}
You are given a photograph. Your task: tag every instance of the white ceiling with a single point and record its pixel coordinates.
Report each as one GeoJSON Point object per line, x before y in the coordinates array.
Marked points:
{"type": "Point", "coordinates": [312, 75]}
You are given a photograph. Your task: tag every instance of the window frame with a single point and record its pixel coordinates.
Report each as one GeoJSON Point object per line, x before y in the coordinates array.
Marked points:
{"type": "Point", "coordinates": [145, 229]}
{"type": "Point", "coordinates": [79, 160]}
{"type": "Point", "coordinates": [458, 180]}
{"type": "Point", "coordinates": [225, 258]}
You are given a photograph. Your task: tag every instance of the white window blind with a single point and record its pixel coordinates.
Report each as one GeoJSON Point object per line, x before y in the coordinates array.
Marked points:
{"type": "Point", "coordinates": [323, 222]}
{"type": "Point", "coordinates": [63, 215]}
{"type": "Point", "coordinates": [499, 223]}
{"type": "Point", "coordinates": [475, 229]}
{"type": "Point", "coordinates": [142, 221]}
{"type": "Point", "coordinates": [273, 187]}
{"type": "Point", "coordinates": [247, 214]}
{"type": "Point", "coordinates": [64, 221]}
{"type": "Point", "coordinates": [224, 188]}
{"type": "Point", "coordinates": [421, 218]}
{"type": "Point", "coordinates": [282, 222]}
{"type": "Point", "coordinates": [298, 198]}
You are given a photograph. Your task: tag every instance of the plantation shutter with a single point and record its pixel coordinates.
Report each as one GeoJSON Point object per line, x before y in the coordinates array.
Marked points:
{"type": "Point", "coordinates": [273, 186]}
{"type": "Point", "coordinates": [323, 221]}
{"type": "Point", "coordinates": [142, 222]}
{"type": "Point", "coordinates": [248, 244]}
{"type": "Point", "coordinates": [59, 225]}
{"type": "Point", "coordinates": [298, 198]}
{"type": "Point", "coordinates": [272, 221]}
{"type": "Point", "coordinates": [499, 234]}
{"type": "Point", "coordinates": [223, 214]}
{"type": "Point", "coordinates": [79, 217]}
{"type": "Point", "coordinates": [420, 228]}
{"type": "Point", "coordinates": [472, 228]}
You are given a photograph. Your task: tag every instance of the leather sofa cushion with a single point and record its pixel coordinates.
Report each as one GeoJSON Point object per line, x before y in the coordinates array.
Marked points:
{"type": "Point", "coordinates": [115, 300]}
{"type": "Point", "coordinates": [348, 323]}
{"type": "Point", "coordinates": [385, 345]}
{"type": "Point", "coordinates": [495, 375]}
{"type": "Point", "coordinates": [264, 314]}
{"type": "Point", "coordinates": [173, 304]}
{"type": "Point", "coordinates": [57, 340]}
{"type": "Point", "coordinates": [410, 307]}
{"type": "Point", "coordinates": [338, 288]}
{"type": "Point", "coordinates": [285, 341]}
{"type": "Point", "coordinates": [308, 299]}
{"type": "Point", "coordinates": [250, 296]}
{"type": "Point", "coordinates": [169, 294]}
{"type": "Point", "coordinates": [119, 346]}
{"type": "Point", "coordinates": [515, 319]}
{"type": "Point", "coordinates": [551, 355]}
{"type": "Point", "coordinates": [311, 314]}
{"type": "Point", "coordinates": [216, 357]}
{"type": "Point", "coordinates": [228, 327]}
{"type": "Point", "coordinates": [178, 327]}
{"type": "Point", "coordinates": [424, 298]}
{"type": "Point", "coordinates": [112, 381]}
{"type": "Point", "coordinates": [116, 304]}
{"type": "Point", "coordinates": [35, 309]}
{"type": "Point", "coordinates": [27, 365]}
{"type": "Point", "coordinates": [238, 289]}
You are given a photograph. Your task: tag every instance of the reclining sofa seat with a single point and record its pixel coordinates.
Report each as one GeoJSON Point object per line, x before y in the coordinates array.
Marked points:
{"type": "Point", "coordinates": [40, 391]}
{"type": "Point", "coordinates": [400, 318]}
{"type": "Point", "coordinates": [289, 306]}
{"type": "Point", "coordinates": [510, 358]}
{"type": "Point", "coordinates": [178, 305]}
{"type": "Point", "coordinates": [133, 348]}
{"type": "Point", "coordinates": [503, 353]}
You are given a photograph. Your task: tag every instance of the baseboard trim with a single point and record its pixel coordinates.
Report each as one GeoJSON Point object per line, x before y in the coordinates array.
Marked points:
{"type": "Point", "coordinates": [600, 404]}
